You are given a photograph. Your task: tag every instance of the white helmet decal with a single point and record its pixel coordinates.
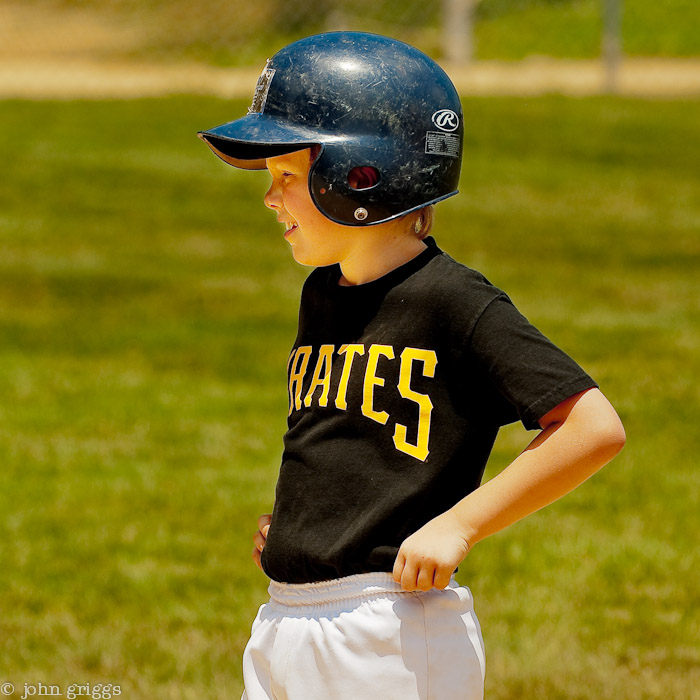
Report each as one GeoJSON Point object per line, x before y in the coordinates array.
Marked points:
{"type": "Point", "coordinates": [446, 120]}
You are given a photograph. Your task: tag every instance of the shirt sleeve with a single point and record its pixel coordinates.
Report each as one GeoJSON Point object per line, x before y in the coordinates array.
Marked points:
{"type": "Point", "coordinates": [528, 370]}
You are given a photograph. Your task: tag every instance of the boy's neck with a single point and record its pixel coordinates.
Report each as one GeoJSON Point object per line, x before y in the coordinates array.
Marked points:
{"type": "Point", "coordinates": [378, 257]}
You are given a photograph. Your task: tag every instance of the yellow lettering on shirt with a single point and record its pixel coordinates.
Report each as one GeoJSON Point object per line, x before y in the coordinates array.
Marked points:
{"type": "Point", "coordinates": [296, 376]}
{"type": "Point", "coordinates": [372, 380]}
{"type": "Point", "coordinates": [349, 351]}
{"type": "Point", "coordinates": [292, 355]}
{"type": "Point", "coordinates": [425, 405]}
{"type": "Point", "coordinates": [321, 376]}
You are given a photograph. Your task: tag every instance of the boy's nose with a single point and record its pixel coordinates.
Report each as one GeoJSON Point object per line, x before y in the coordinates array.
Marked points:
{"type": "Point", "coordinates": [272, 197]}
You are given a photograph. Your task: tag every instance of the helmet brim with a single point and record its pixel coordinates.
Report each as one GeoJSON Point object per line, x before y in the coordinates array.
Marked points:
{"type": "Point", "coordinates": [247, 142]}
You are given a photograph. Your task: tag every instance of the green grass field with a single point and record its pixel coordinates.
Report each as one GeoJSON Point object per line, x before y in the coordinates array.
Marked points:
{"type": "Point", "coordinates": [147, 304]}
{"type": "Point", "coordinates": [515, 29]}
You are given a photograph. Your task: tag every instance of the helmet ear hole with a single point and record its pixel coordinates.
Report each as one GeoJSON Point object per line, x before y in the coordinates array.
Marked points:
{"type": "Point", "coordinates": [363, 177]}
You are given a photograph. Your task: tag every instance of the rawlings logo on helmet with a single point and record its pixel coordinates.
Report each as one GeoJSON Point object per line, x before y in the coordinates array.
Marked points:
{"type": "Point", "coordinates": [446, 119]}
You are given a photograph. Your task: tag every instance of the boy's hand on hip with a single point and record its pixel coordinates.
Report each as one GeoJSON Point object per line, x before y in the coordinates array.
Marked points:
{"type": "Point", "coordinates": [260, 537]}
{"type": "Point", "coordinates": [430, 555]}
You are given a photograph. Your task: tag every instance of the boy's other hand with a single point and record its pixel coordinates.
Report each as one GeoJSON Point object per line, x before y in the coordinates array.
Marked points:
{"type": "Point", "coordinates": [260, 537]}
{"type": "Point", "coordinates": [430, 555]}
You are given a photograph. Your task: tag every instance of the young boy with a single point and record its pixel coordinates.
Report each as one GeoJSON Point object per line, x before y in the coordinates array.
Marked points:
{"type": "Point", "coordinates": [405, 365]}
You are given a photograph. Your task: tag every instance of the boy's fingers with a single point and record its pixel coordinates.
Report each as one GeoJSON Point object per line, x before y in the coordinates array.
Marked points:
{"type": "Point", "coordinates": [398, 566]}
{"type": "Point", "coordinates": [424, 581]}
{"type": "Point", "coordinates": [260, 537]}
{"type": "Point", "coordinates": [259, 540]}
{"type": "Point", "coordinates": [442, 578]}
{"type": "Point", "coordinates": [409, 576]}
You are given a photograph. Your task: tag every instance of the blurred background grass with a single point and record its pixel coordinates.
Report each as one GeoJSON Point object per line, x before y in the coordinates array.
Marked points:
{"type": "Point", "coordinates": [147, 304]}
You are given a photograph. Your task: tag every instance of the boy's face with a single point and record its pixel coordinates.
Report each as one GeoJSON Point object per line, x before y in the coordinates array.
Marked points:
{"type": "Point", "coordinates": [315, 240]}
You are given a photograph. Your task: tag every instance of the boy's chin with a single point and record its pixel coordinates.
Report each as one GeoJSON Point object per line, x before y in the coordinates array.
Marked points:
{"type": "Point", "coordinates": [303, 258]}
{"type": "Point", "coordinates": [309, 258]}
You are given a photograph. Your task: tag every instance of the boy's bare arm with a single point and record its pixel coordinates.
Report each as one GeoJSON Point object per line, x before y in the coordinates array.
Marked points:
{"type": "Point", "coordinates": [578, 437]}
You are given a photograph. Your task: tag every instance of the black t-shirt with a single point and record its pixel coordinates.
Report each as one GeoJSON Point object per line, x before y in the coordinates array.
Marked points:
{"type": "Point", "coordinates": [397, 390]}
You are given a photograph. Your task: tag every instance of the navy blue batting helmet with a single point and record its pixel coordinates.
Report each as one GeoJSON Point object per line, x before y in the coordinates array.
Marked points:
{"type": "Point", "coordinates": [367, 101]}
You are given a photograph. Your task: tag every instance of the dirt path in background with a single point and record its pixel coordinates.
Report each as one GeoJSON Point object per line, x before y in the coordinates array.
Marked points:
{"type": "Point", "coordinates": [85, 78]}
{"type": "Point", "coordinates": [70, 53]}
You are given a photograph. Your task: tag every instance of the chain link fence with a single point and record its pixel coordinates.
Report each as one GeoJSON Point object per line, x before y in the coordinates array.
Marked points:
{"type": "Point", "coordinates": [243, 33]}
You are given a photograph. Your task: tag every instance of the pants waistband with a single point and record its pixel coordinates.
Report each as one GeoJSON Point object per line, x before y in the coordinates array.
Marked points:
{"type": "Point", "coordinates": [323, 592]}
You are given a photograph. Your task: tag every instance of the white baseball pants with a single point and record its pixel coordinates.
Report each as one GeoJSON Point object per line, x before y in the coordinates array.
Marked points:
{"type": "Point", "coordinates": [363, 638]}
